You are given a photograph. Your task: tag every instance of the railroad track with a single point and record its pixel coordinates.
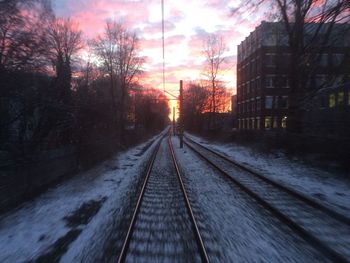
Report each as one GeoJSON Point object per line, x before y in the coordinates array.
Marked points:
{"type": "Point", "coordinates": [163, 227]}
{"type": "Point", "coordinates": [324, 229]}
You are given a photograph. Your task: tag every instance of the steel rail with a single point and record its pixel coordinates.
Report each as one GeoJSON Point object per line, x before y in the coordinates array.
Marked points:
{"type": "Point", "coordinates": [199, 239]}
{"type": "Point", "coordinates": [127, 239]}
{"type": "Point", "coordinates": [344, 219]}
{"type": "Point", "coordinates": [314, 241]}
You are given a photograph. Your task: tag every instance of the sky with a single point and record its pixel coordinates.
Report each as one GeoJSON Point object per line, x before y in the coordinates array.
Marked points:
{"type": "Point", "coordinates": [187, 25]}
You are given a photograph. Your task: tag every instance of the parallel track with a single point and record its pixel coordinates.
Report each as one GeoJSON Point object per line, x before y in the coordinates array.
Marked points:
{"type": "Point", "coordinates": [124, 251]}
{"type": "Point", "coordinates": [326, 230]}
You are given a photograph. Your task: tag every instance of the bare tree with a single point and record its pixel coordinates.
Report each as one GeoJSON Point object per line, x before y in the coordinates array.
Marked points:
{"type": "Point", "coordinates": [64, 41]}
{"type": "Point", "coordinates": [22, 35]}
{"type": "Point", "coordinates": [198, 101]}
{"type": "Point", "coordinates": [310, 27]}
{"type": "Point", "coordinates": [105, 49]}
{"type": "Point", "coordinates": [118, 51]}
{"type": "Point", "coordinates": [214, 48]}
{"type": "Point", "coordinates": [129, 66]}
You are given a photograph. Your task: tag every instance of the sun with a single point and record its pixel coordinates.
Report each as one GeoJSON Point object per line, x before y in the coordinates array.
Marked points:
{"type": "Point", "coordinates": [173, 105]}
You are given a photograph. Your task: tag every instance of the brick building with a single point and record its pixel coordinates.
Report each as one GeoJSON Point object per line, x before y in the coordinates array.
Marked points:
{"type": "Point", "coordinates": [262, 79]}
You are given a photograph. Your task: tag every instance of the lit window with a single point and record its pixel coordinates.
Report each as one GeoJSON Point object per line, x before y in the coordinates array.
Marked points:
{"type": "Point", "coordinates": [274, 124]}
{"type": "Point", "coordinates": [268, 122]}
{"type": "Point", "coordinates": [268, 102]}
{"type": "Point", "coordinates": [341, 98]}
{"type": "Point", "coordinates": [331, 100]}
{"type": "Point", "coordinates": [284, 122]}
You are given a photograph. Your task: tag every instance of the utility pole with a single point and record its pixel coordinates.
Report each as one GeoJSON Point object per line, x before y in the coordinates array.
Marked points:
{"type": "Point", "coordinates": [181, 115]}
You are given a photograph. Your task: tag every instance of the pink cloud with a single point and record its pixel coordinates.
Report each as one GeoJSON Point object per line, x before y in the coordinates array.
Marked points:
{"type": "Point", "coordinates": [136, 14]}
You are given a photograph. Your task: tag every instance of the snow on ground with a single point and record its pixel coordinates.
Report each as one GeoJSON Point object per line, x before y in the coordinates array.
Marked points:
{"type": "Point", "coordinates": [73, 210]}
{"type": "Point", "coordinates": [322, 186]}
{"type": "Point", "coordinates": [232, 223]}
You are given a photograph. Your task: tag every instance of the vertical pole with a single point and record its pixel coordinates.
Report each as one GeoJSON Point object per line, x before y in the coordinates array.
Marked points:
{"type": "Point", "coordinates": [174, 121]}
{"type": "Point", "coordinates": [181, 115]}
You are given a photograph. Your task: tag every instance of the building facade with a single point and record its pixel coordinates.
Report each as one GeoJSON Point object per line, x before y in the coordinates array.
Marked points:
{"type": "Point", "coordinates": [262, 79]}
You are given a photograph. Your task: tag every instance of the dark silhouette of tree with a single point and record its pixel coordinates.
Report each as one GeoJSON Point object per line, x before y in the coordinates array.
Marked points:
{"type": "Point", "coordinates": [198, 101]}
{"type": "Point", "coordinates": [22, 35]}
{"type": "Point", "coordinates": [214, 48]}
{"type": "Point", "coordinates": [63, 41]}
{"type": "Point", "coordinates": [105, 48]}
{"type": "Point", "coordinates": [118, 49]}
{"type": "Point", "coordinates": [151, 110]}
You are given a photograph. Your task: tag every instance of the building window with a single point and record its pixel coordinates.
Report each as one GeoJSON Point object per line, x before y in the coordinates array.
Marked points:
{"type": "Point", "coordinates": [258, 123]}
{"type": "Point", "coordinates": [257, 83]}
{"type": "Point", "coordinates": [275, 102]}
{"type": "Point", "coordinates": [270, 59]}
{"type": "Point", "coordinates": [340, 98]}
{"type": "Point", "coordinates": [332, 100]}
{"type": "Point", "coordinates": [284, 122]}
{"type": "Point", "coordinates": [284, 82]}
{"type": "Point", "coordinates": [258, 104]}
{"type": "Point", "coordinates": [286, 57]}
{"type": "Point", "coordinates": [268, 122]}
{"type": "Point", "coordinates": [275, 124]}
{"type": "Point", "coordinates": [283, 102]}
{"type": "Point", "coordinates": [268, 102]}
{"type": "Point", "coordinates": [270, 81]}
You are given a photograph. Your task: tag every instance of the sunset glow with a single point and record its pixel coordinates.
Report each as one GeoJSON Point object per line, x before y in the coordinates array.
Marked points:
{"type": "Point", "coordinates": [187, 24]}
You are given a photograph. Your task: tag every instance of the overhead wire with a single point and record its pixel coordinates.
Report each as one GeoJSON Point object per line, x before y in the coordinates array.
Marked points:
{"type": "Point", "coordinates": [163, 45]}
